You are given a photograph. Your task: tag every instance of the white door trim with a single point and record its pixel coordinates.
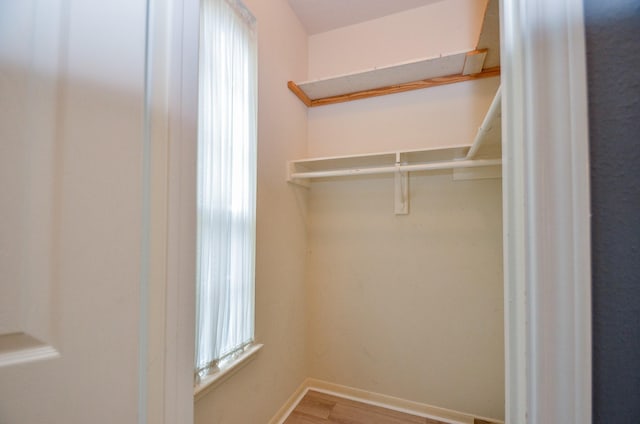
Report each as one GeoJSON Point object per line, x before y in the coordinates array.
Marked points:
{"type": "Point", "coordinates": [546, 212]}
{"type": "Point", "coordinates": [172, 100]}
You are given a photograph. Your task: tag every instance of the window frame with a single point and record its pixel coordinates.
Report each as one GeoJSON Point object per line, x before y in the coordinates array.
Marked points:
{"type": "Point", "coordinates": [243, 219]}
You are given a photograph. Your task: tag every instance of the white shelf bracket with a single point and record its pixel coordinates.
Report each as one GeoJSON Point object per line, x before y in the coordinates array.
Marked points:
{"type": "Point", "coordinates": [295, 181]}
{"type": "Point", "coordinates": [401, 189]}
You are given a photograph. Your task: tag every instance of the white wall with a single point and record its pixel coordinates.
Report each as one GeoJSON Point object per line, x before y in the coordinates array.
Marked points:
{"type": "Point", "coordinates": [257, 391]}
{"type": "Point", "coordinates": [435, 117]}
{"type": "Point", "coordinates": [408, 306]}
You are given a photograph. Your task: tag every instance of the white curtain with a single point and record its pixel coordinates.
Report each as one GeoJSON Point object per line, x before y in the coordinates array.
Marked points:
{"type": "Point", "coordinates": [226, 182]}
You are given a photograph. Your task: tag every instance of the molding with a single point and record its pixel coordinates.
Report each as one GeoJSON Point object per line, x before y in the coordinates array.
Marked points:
{"type": "Point", "coordinates": [20, 348]}
{"type": "Point", "coordinates": [546, 213]}
{"type": "Point", "coordinates": [174, 39]}
{"type": "Point", "coordinates": [376, 399]}
{"type": "Point", "coordinates": [212, 381]}
{"type": "Point", "coordinates": [28, 355]}
{"type": "Point", "coordinates": [290, 404]}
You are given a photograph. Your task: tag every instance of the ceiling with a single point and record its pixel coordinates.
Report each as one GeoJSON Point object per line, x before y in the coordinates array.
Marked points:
{"type": "Point", "coordinates": [324, 15]}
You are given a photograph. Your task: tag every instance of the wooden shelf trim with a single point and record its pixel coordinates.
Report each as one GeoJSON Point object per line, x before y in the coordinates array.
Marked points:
{"type": "Point", "coordinates": [392, 89]}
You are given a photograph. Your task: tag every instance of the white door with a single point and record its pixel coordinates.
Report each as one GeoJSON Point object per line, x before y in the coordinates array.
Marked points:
{"type": "Point", "coordinates": [71, 209]}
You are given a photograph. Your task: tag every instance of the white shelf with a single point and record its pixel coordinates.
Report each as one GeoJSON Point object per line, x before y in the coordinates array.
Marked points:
{"type": "Point", "coordinates": [372, 163]}
{"type": "Point", "coordinates": [482, 62]}
{"type": "Point", "coordinates": [484, 154]}
{"type": "Point", "coordinates": [399, 163]}
{"type": "Point", "coordinates": [406, 76]}
{"type": "Point", "coordinates": [301, 170]}
{"type": "Point", "coordinates": [486, 150]}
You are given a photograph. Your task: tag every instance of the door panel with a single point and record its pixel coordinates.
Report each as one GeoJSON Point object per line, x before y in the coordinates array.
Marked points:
{"type": "Point", "coordinates": [71, 210]}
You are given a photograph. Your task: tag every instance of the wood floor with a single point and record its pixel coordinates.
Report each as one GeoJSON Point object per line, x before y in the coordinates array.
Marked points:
{"type": "Point", "coordinates": [320, 408]}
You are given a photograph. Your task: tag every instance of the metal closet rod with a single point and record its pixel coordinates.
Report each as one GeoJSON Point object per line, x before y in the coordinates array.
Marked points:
{"type": "Point", "coordinates": [389, 169]}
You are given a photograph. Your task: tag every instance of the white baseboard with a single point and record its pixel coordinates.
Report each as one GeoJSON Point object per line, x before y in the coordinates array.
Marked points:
{"type": "Point", "coordinates": [389, 402]}
{"type": "Point", "coordinates": [290, 404]}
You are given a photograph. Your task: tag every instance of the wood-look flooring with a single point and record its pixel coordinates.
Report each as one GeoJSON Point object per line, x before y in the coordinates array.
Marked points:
{"type": "Point", "coordinates": [321, 408]}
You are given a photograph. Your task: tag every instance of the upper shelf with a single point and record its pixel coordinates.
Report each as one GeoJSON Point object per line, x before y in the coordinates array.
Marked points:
{"type": "Point", "coordinates": [483, 62]}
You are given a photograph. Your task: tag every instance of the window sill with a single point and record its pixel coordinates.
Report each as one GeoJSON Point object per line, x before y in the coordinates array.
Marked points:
{"type": "Point", "coordinates": [214, 380]}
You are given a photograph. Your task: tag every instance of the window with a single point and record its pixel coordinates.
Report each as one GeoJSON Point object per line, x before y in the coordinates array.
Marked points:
{"type": "Point", "coordinates": [226, 198]}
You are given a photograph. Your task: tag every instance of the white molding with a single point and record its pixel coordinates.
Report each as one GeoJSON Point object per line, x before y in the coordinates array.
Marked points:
{"type": "Point", "coordinates": [28, 355]}
{"type": "Point", "coordinates": [180, 318]}
{"type": "Point", "coordinates": [212, 381]}
{"type": "Point", "coordinates": [546, 213]}
{"type": "Point", "coordinates": [288, 407]}
{"type": "Point", "coordinates": [173, 98]}
{"type": "Point", "coordinates": [154, 279]}
{"type": "Point", "coordinates": [20, 348]}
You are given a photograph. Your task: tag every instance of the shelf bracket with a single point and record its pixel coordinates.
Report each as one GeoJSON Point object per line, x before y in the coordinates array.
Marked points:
{"type": "Point", "coordinates": [295, 181]}
{"type": "Point", "coordinates": [401, 189]}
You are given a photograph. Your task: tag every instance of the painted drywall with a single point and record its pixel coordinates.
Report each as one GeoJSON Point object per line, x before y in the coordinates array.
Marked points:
{"type": "Point", "coordinates": [612, 40]}
{"type": "Point", "coordinates": [256, 392]}
{"type": "Point", "coordinates": [409, 120]}
{"type": "Point", "coordinates": [408, 306]}
{"type": "Point", "coordinates": [435, 117]}
{"type": "Point", "coordinates": [80, 127]}
{"type": "Point", "coordinates": [439, 28]}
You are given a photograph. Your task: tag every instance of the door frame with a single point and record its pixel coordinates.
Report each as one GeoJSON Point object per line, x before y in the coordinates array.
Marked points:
{"type": "Point", "coordinates": [167, 319]}
{"type": "Point", "coordinates": [546, 209]}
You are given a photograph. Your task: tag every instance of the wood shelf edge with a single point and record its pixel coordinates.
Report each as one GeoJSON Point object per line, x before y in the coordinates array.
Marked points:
{"type": "Point", "coordinates": [392, 89]}
{"type": "Point", "coordinates": [298, 92]}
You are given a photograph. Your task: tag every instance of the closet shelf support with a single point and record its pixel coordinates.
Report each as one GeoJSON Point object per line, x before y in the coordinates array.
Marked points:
{"type": "Point", "coordinates": [429, 166]}
{"type": "Point", "coordinates": [401, 201]}
{"type": "Point", "coordinates": [399, 169]}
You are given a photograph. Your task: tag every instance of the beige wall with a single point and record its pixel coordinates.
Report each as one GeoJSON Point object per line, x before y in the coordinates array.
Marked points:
{"type": "Point", "coordinates": [256, 392]}
{"type": "Point", "coordinates": [408, 306]}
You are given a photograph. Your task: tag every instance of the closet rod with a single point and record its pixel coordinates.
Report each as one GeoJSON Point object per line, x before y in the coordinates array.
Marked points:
{"type": "Point", "coordinates": [397, 168]}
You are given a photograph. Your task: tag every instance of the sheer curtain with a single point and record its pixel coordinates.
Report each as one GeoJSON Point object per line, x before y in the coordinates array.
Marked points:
{"type": "Point", "coordinates": [226, 183]}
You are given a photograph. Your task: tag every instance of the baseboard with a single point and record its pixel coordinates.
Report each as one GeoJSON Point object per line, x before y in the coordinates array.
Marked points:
{"type": "Point", "coordinates": [389, 402]}
{"type": "Point", "coordinates": [290, 404]}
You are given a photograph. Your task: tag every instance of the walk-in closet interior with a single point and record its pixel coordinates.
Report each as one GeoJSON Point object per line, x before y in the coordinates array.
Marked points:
{"type": "Point", "coordinates": [379, 213]}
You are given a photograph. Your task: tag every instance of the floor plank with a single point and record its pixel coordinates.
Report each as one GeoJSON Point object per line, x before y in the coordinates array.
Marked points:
{"type": "Point", "coordinates": [353, 414]}
{"type": "Point", "coordinates": [300, 418]}
{"type": "Point", "coordinates": [315, 406]}
{"type": "Point", "coordinates": [321, 408]}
